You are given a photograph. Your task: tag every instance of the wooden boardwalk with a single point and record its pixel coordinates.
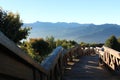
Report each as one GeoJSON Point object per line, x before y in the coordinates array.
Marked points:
{"type": "Point", "coordinates": [86, 68]}
{"type": "Point", "coordinates": [17, 65]}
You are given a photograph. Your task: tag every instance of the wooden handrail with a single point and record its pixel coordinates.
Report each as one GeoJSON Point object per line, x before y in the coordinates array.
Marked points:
{"type": "Point", "coordinates": [10, 54]}
{"type": "Point", "coordinates": [53, 64]}
{"type": "Point", "coordinates": [112, 52]}
{"type": "Point", "coordinates": [17, 65]}
{"type": "Point", "coordinates": [52, 59]}
{"type": "Point", "coordinates": [4, 41]}
{"type": "Point", "coordinates": [110, 57]}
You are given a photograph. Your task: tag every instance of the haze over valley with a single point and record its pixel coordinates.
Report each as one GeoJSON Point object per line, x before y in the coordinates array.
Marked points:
{"type": "Point", "coordinates": [74, 31]}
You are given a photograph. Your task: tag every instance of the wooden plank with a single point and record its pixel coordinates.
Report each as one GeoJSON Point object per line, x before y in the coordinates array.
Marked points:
{"type": "Point", "coordinates": [6, 77]}
{"type": "Point", "coordinates": [10, 66]}
{"type": "Point", "coordinates": [52, 59]}
{"type": "Point", "coordinates": [112, 51]}
{"type": "Point", "coordinates": [8, 44]}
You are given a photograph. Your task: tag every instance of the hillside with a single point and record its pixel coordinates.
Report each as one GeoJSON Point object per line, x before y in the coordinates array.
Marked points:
{"type": "Point", "coordinates": [74, 31]}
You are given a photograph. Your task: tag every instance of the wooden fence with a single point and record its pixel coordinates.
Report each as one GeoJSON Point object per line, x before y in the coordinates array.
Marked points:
{"type": "Point", "coordinates": [15, 64]}
{"type": "Point", "coordinates": [110, 57]}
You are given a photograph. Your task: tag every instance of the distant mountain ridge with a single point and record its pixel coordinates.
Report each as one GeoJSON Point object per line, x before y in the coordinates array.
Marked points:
{"type": "Point", "coordinates": [74, 31]}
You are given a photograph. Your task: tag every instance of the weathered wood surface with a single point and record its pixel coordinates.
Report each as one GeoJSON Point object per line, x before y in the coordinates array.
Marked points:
{"type": "Point", "coordinates": [53, 64]}
{"type": "Point", "coordinates": [15, 64]}
{"type": "Point", "coordinates": [87, 68]}
{"type": "Point", "coordinates": [15, 50]}
{"type": "Point", "coordinates": [110, 57]}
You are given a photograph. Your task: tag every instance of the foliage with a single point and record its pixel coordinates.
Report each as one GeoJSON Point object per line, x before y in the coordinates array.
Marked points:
{"type": "Point", "coordinates": [83, 44]}
{"type": "Point", "coordinates": [51, 42]}
{"type": "Point", "coordinates": [11, 26]}
{"type": "Point", "coordinates": [38, 49]}
{"type": "Point", "coordinates": [40, 46]}
{"type": "Point", "coordinates": [118, 40]}
{"type": "Point", "coordinates": [112, 42]}
{"type": "Point", "coordinates": [26, 46]}
{"type": "Point", "coordinates": [65, 44]}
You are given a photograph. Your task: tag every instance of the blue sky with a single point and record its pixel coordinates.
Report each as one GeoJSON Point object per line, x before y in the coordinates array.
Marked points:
{"type": "Point", "coordinates": [81, 11]}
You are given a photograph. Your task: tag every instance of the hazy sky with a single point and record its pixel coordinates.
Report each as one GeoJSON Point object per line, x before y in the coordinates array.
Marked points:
{"type": "Point", "coordinates": [81, 11]}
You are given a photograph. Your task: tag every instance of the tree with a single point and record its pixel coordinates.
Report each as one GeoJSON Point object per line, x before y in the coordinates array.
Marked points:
{"type": "Point", "coordinates": [51, 42]}
{"type": "Point", "coordinates": [72, 42]}
{"type": "Point", "coordinates": [58, 42]}
{"type": "Point", "coordinates": [11, 26]}
{"type": "Point", "coordinates": [112, 42]}
{"type": "Point", "coordinates": [40, 46]}
{"type": "Point", "coordinates": [38, 49]}
{"type": "Point", "coordinates": [118, 40]}
{"type": "Point", "coordinates": [65, 44]}
{"type": "Point", "coordinates": [83, 44]}
{"type": "Point", "coordinates": [27, 47]}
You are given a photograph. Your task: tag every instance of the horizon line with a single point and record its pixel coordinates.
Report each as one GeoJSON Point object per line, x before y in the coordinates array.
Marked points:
{"type": "Point", "coordinates": [70, 22]}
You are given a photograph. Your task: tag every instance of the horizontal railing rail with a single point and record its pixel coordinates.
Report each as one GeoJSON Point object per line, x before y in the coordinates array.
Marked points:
{"type": "Point", "coordinates": [110, 57]}
{"type": "Point", "coordinates": [53, 64]}
{"type": "Point", "coordinates": [16, 64]}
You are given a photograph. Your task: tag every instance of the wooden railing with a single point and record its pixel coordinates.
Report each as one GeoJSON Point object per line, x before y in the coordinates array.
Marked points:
{"type": "Point", "coordinates": [110, 57]}
{"type": "Point", "coordinates": [56, 63]}
{"type": "Point", "coordinates": [15, 64]}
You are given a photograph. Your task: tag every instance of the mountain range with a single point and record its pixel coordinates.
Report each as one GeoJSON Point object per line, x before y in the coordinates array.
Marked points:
{"type": "Point", "coordinates": [73, 31]}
